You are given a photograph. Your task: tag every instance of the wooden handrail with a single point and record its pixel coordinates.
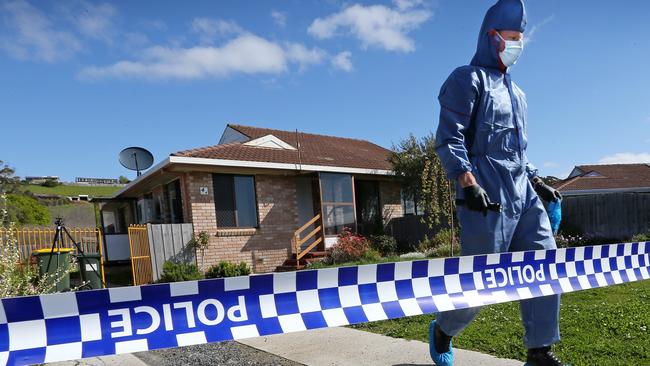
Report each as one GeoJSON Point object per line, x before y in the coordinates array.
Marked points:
{"type": "Point", "coordinates": [310, 247]}
{"type": "Point", "coordinates": [298, 241]}
{"type": "Point", "coordinates": [308, 224]}
{"type": "Point", "coordinates": [313, 232]}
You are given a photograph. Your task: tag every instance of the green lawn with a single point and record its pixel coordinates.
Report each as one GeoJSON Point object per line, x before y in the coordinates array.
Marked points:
{"type": "Point", "coordinates": [72, 190]}
{"type": "Point", "coordinates": [606, 326]}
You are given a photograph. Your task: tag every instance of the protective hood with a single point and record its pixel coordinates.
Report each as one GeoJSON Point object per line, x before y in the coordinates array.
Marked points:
{"type": "Point", "coordinates": [504, 15]}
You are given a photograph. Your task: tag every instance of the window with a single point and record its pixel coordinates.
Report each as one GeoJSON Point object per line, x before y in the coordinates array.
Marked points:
{"type": "Point", "coordinates": [337, 201]}
{"type": "Point", "coordinates": [234, 200]}
{"type": "Point", "coordinates": [173, 212]}
{"type": "Point", "coordinates": [409, 203]}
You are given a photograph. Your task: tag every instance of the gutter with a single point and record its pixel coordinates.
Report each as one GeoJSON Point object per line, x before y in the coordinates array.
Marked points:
{"type": "Point", "coordinates": [139, 179]}
{"type": "Point", "coordinates": [247, 164]}
{"type": "Point", "coordinates": [579, 192]}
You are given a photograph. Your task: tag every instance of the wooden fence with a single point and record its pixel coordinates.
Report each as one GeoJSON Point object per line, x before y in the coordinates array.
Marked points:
{"type": "Point", "coordinates": [616, 216]}
{"type": "Point", "coordinates": [168, 242]}
{"type": "Point", "coordinates": [29, 239]}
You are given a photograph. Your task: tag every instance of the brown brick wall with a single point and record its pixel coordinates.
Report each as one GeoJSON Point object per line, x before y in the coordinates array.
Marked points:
{"type": "Point", "coordinates": [264, 248]}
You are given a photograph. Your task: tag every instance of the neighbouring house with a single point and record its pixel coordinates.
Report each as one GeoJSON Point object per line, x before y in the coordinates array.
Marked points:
{"type": "Point", "coordinates": [607, 201]}
{"type": "Point", "coordinates": [256, 188]}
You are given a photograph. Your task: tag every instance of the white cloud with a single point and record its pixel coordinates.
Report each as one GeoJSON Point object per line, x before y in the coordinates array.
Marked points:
{"type": "Point", "coordinates": [303, 56]}
{"type": "Point", "coordinates": [550, 164]}
{"type": "Point", "coordinates": [625, 158]}
{"type": "Point", "coordinates": [210, 30]}
{"type": "Point", "coordinates": [245, 54]}
{"type": "Point", "coordinates": [407, 4]}
{"type": "Point", "coordinates": [530, 35]}
{"type": "Point", "coordinates": [33, 34]}
{"type": "Point", "coordinates": [94, 20]}
{"type": "Point", "coordinates": [342, 61]}
{"type": "Point", "coordinates": [374, 25]}
{"type": "Point", "coordinates": [279, 18]}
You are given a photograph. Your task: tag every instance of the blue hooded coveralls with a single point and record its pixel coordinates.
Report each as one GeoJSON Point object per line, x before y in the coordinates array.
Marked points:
{"type": "Point", "coordinates": [483, 130]}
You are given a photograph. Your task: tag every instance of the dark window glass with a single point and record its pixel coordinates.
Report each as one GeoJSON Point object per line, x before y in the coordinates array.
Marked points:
{"type": "Point", "coordinates": [336, 187]}
{"type": "Point", "coordinates": [369, 220]}
{"type": "Point", "coordinates": [245, 201]}
{"type": "Point", "coordinates": [338, 217]}
{"type": "Point", "coordinates": [234, 200]}
{"type": "Point", "coordinates": [173, 208]}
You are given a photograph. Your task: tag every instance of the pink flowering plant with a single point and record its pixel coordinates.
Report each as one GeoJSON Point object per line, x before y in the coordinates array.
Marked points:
{"type": "Point", "coordinates": [350, 247]}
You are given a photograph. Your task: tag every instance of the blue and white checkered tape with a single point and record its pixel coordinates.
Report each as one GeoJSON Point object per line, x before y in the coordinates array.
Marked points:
{"type": "Point", "coordinates": [65, 326]}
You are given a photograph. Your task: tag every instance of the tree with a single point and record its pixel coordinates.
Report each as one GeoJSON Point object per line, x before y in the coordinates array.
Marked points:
{"type": "Point", "coordinates": [424, 178]}
{"type": "Point", "coordinates": [124, 180]}
{"type": "Point", "coordinates": [8, 183]}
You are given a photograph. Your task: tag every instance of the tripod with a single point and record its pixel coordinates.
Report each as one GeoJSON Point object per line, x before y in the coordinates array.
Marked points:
{"type": "Point", "coordinates": [56, 244]}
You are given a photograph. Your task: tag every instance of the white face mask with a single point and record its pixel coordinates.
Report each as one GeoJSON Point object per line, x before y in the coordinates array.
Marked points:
{"type": "Point", "coordinates": [511, 52]}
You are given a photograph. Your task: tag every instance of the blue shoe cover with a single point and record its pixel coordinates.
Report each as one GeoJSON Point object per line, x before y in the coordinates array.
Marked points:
{"type": "Point", "coordinates": [440, 359]}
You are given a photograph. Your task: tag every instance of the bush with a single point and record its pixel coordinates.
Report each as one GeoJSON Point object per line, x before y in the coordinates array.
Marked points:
{"type": "Point", "coordinates": [443, 251]}
{"type": "Point", "coordinates": [441, 239]}
{"type": "Point", "coordinates": [25, 210]}
{"type": "Point", "coordinates": [384, 244]}
{"type": "Point", "coordinates": [177, 272]}
{"type": "Point", "coordinates": [17, 278]}
{"type": "Point", "coordinates": [228, 269]}
{"type": "Point", "coordinates": [371, 256]}
{"type": "Point", "coordinates": [641, 237]}
{"type": "Point", "coordinates": [349, 248]}
{"type": "Point", "coordinates": [50, 183]}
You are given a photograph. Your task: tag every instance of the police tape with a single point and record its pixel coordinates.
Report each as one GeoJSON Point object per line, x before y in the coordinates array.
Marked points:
{"type": "Point", "coordinates": [66, 326]}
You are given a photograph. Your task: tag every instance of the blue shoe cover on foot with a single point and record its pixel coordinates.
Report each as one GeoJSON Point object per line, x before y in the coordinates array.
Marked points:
{"type": "Point", "coordinates": [440, 359]}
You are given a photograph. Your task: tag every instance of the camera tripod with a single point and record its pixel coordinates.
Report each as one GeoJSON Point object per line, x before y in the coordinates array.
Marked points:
{"type": "Point", "coordinates": [56, 244]}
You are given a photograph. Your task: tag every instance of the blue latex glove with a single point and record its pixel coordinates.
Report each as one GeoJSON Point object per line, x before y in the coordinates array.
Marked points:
{"type": "Point", "coordinates": [555, 214]}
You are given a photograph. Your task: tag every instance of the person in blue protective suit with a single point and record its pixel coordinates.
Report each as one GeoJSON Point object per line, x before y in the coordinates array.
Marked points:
{"type": "Point", "coordinates": [481, 141]}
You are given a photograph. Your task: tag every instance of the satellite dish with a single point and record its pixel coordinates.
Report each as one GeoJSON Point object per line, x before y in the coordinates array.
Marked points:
{"type": "Point", "coordinates": [136, 158]}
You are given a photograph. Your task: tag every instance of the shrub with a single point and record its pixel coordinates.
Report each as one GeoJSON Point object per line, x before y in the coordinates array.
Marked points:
{"type": "Point", "coordinates": [50, 183]}
{"type": "Point", "coordinates": [228, 269]}
{"type": "Point", "coordinates": [16, 278]}
{"type": "Point", "coordinates": [384, 244]}
{"type": "Point", "coordinates": [641, 237]}
{"type": "Point", "coordinates": [441, 239]}
{"type": "Point", "coordinates": [443, 251]}
{"type": "Point", "coordinates": [25, 210]}
{"type": "Point", "coordinates": [349, 248]}
{"type": "Point", "coordinates": [176, 272]}
{"type": "Point", "coordinates": [371, 256]}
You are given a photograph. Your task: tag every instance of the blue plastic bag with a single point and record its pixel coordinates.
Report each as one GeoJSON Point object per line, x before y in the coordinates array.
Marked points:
{"type": "Point", "coordinates": [555, 214]}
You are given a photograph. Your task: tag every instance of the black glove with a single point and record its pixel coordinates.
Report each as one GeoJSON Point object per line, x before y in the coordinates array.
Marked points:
{"type": "Point", "coordinates": [476, 199]}
{"type": "Point", "coordinates": [547, 193]}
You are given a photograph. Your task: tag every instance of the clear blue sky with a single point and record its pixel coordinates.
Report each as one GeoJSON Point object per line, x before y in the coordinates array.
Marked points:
{"type": "Point", "coordinates": [81, 80]}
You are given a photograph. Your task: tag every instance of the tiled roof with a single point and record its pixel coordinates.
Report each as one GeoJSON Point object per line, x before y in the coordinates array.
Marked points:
{"type": "Point", "coordinates": [615, 176]}
{"type": "Point", "coordinates": [314, 150]}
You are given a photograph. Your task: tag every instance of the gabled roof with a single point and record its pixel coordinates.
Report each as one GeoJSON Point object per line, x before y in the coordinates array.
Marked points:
{"type": "Point", "coordinates": [301, 148]}
{"type": "Point", "coordinates": [606, 177]}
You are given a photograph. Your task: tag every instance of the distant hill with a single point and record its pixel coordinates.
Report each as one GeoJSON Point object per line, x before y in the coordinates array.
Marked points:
{"type": "Point", "coordinates": [72, 190]}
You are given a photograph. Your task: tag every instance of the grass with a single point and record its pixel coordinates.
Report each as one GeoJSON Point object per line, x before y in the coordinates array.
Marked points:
{"type": "Point", "coordinates": [606, 326]}
{"type": "Point", "coordinates": [72, 190]}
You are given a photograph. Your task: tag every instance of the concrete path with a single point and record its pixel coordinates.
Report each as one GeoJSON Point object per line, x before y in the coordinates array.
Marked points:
{"type": "Point", "coordinates": [118, 360]}
{"type": "Point", "coordinates": [345, 346]}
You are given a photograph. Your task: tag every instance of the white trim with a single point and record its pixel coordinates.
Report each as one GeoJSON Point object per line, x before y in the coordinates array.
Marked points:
{"type": "Point", "coordinates": [576, 192]}
{"type": "Point", "coordinates": [267, 165]}
{"type": "Point", "coordinates": [152, 170]}
{"type": "Point", "coordinates": [248, 164]}
{"type": "Point", "coordinates": [269, 141]}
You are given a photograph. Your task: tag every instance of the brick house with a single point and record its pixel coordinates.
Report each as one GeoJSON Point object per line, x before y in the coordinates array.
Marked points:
{"type": "Point", "coordinates": [253, 190]}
